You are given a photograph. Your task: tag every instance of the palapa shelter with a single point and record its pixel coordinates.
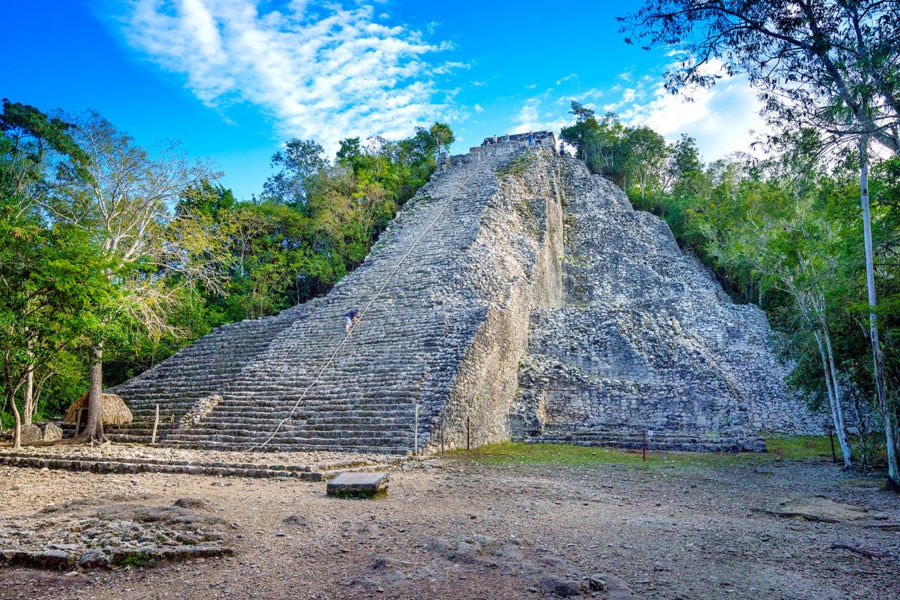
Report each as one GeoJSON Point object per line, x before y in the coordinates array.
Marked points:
{"type": "Point", "coordinates": [114, 411]}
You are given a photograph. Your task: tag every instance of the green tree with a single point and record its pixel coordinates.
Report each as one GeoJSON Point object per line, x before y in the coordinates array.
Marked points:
{"type": "Point", "coordinates": [41, 268]}
{"type": "Point", "coordinates": [297, 163]}
{"type": "Point", "coordinates": [443, 136]}
{"type": "Point", "coordinates": [646, 154]}
{"type": "Point", "coordinates": [600, 144]}
{"type": "Point", "coordinates": [124, 205]}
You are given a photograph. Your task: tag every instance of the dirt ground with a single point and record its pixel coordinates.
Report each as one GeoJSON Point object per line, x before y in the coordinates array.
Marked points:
{"type": "Point", "coordinates": [452, 528]}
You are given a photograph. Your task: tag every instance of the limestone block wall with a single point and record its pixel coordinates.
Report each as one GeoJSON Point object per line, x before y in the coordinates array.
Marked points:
{"type": "Point", "coordinates": [514, 264]}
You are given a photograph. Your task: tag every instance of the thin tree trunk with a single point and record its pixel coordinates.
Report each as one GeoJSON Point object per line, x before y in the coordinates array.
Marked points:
{"type": "Point", "coordinates": [877, 356]}
{"type": "Point", "coordinates": [28, 404]}
{"type": "Point", "coordinates": [833, 370]}
{"type": "Point", "coordinates": [834, 399]}
{"type": "Point", "coordinates": [94, 428]}
{"type": "Point", "coordinates": [17, 419]}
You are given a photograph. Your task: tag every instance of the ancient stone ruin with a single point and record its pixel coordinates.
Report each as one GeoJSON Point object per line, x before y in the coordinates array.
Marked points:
{"type": "Point", "coordinates": [516, 296]}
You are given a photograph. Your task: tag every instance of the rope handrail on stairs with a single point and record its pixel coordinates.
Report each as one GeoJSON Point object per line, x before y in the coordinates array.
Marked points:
{"type": "Point", "coordinates": [362, 313]}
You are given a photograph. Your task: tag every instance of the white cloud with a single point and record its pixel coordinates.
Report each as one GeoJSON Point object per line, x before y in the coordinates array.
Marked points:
{"type": "Point", "coordinates": [531, 118]}
{"type": "Point", "coordinates": [722, 119]}
{"type": "Point", "coordinates": [321, 70]}
{"type": "Point", "coordinates": [527, 117]}
{"type": "Point", "coordinates": [478, 108]}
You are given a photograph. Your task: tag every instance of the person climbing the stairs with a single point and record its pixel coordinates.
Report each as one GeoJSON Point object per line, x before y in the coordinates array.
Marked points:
{"type": "Point", "coordinates": [350, 319]}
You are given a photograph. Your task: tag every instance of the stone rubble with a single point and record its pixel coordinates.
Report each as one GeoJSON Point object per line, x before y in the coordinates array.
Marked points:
{"type": "Point", "coordinates": [91, 533]}
{"type": "Point", "coordinates": [200, 409]}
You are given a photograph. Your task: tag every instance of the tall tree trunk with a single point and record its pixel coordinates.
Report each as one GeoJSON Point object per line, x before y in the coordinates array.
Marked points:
{"type": "Point", "coordinates": [28, 403]}
{"type": "Point", "coordinates": [94, 428]}
{"type": "Point", "coordinates": [834, 399]}
{"type": "Point", "coordinates": [877, 356]}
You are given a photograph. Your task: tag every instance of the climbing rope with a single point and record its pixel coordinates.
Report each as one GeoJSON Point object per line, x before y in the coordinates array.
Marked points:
{"type": "Point", "coordinates": [390, 276]}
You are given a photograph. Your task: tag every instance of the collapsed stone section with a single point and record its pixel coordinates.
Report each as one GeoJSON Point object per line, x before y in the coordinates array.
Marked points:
{"type": "Point", "coordinates": [647, 341]}
{"type": "Point", "coordinates": [445, 296]}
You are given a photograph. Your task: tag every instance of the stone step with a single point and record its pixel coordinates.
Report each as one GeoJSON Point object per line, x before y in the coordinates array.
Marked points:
{"type": "Point", "coordinates": [684, 441]}
{"type": "Point", "coordinates": [221, 469]}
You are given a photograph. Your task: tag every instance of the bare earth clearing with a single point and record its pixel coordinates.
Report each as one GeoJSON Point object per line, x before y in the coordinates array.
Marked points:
{"type": "Point", "coordinates": [453, 528]}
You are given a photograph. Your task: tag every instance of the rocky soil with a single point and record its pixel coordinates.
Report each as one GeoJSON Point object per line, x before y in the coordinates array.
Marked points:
{"type": "Point", "coordinates": [453, 528]}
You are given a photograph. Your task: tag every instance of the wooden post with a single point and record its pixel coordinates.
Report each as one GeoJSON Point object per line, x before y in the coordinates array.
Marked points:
{"type": "Point", "coordinates": [831, 438]}
{"type": "Point", "coordinates": [416, 446]}
{"type": "Point", "coordinates": [644, 449]}
{"type": "Point", "coordinates": [155, 425]}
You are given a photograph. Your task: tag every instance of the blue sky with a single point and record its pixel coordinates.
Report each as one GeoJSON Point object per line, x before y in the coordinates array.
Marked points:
{"type": "Point", "coordinates": [233, 79]}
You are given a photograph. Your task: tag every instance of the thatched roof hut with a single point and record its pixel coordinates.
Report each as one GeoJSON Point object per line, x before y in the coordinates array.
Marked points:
{"type": "Point", "coordinates": [114, 410]}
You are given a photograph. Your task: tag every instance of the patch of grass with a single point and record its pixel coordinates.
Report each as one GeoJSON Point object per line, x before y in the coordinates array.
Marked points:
{"type": "Point", "coordinates": [801, 447]}
{"type": "Point", "coordinates": [518, 453]}
{"type": "Point", "coordinates": [536, 454]}
{"type": "Point", "coordinates": [133, 559]}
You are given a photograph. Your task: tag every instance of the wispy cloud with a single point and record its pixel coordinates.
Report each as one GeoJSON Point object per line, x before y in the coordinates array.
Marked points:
{"type": "Point", "coordinates": [321, 70]}
{"type": "Point", "coordinates": [722, 119]}
{"type": "Point", "coordinates": [531, 117]}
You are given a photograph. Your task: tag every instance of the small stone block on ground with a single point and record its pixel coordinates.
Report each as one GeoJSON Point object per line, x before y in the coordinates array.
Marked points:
{"type": "Point", "coordinates": [358, 485]}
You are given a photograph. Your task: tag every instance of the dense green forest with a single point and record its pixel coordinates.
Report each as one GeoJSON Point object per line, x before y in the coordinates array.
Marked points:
{"type": "Point", "coordinates": [113, 257]}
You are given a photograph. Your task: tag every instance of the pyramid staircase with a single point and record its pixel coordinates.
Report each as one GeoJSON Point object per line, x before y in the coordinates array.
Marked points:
{"type": "Point", "coordinates": [297, 382]}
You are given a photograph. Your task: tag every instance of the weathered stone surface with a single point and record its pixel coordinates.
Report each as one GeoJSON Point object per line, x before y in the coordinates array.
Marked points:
{"type": "Point", "coordinates": [820, 509]}
{"type": "Point", "coordinates": [51, 432]}
{"type": "Point", "coordinates": [93, 533]}
{"type": "Point", "coordinates": [31, 433]}
{"type": "Point", "coordinates": [93, 559]}
{"type": "Point", "coordinates": [647, 349]}
{"type": "Point", "coordinates": [562, 588]}
{"type": "Point", "coordinates": [358, 485]}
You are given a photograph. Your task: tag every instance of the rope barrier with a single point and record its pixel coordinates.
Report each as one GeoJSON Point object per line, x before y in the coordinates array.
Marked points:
{"type": "Point", "coordinates": [366, 308]}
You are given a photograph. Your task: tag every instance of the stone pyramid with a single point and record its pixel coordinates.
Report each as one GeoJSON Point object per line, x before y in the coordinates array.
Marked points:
{"type": "Point", "coordinates": [480, 323]}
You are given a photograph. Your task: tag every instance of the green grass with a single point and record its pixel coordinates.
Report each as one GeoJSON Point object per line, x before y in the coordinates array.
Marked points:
{"type": "Point", "coordinates": [135, 559]}
{"type": "Point", "coordinates": [801, 447]}
{"type": "Point", "coordinates": [517, 453]}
